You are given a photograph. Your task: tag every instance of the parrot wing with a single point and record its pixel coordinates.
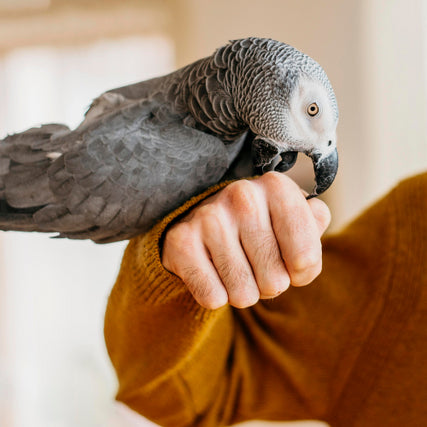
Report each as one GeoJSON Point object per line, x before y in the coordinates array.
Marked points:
{"type": "Point", "coordinates": [115, 99]}
{"type": "Point", "coordinates": [128, 172]}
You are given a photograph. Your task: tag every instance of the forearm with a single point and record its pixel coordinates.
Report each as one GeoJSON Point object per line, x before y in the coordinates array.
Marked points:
{"type": "Point", "coordinates": [166, 347]}
{"type": "Point", "coordinates": [154, 329]}
{"type": "Point", "coordinates": [313, 352]}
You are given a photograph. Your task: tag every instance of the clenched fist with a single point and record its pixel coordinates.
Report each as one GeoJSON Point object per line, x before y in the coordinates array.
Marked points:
{"type": "Point", "coordinates": [250, 240]}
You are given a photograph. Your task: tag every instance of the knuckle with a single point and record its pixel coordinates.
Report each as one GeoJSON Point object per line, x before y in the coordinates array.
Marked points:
{"type": "Point", "coordinates": [213, 222]}
{"type": "Point", "coordinates": [305, 266]}
{"type": "Point", "coordinates": [241, 195]}
{"type": "Point", "coordinates": [203, 290]}
{"type": "Point", "coordinates": [180, 237]}
{"type": "Point", "coordinates": [208, 299]}
{"type": "Point", "coordinates": [173, 236]}
{"type": "Point", "coordinates": [211, 219]}
{"type": "Point", "coordinates": [178, 241]}
{"type": "Point", "coordinates": [305, 259]}
{"type": "Point", "coordinates": [273, 178]}
{"type": "Point", "coordinates": [244, 299]}
{"type": "Point", "coordinates": [276, 180]}
{"type": "Point", "coordinates": [208, 212]}
{"type": "Point", "coordinates": [275, 286]}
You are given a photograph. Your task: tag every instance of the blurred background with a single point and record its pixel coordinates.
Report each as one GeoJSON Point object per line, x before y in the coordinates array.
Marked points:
{"type": "Point", "coordinates": [57, 55]}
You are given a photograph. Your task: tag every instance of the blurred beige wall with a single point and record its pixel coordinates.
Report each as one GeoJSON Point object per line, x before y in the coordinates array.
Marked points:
{"type": "Point", "coordinates": [394, 79]}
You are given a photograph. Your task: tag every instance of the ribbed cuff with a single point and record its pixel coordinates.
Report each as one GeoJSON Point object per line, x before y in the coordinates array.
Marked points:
{"type": "Point", "coordinates": [152, 281]}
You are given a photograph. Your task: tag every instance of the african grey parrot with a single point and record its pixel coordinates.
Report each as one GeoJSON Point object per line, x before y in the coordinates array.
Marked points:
{"type": "Point", "coordinates": [143, 149]}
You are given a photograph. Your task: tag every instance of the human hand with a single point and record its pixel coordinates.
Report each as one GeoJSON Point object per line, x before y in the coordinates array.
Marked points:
{"type": "Point", "coordinates": [250, 240]}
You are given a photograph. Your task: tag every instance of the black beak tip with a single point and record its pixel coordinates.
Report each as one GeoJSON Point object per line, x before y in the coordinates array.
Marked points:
{"type": "Point", "coordinates": [325, 170]}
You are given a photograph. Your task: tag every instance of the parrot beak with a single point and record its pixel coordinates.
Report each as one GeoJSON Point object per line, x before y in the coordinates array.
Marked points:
{"type": "Point", "coordinates": [266, 157]}
{"type": "Point", "coordinates": [325, 169]}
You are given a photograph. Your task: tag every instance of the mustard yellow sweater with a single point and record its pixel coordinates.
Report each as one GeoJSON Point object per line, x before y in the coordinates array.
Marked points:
{"type": "Point", "coordinates": [350, 349]}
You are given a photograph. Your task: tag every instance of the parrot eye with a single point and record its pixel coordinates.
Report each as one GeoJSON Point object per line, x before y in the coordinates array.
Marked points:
{"type": "Point", "coordinates": [313, 109]}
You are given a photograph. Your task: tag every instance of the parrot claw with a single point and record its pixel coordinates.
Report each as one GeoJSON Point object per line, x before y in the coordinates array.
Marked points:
{"type": "Point", "coordinates": [288, 159]}
{"type": "Point", "coordinates": [263, 153]}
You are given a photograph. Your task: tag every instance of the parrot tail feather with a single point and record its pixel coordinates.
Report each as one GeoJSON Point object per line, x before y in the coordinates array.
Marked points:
{"type": "Point", "coordinates": [12, 219]}
{"type": "Point", "coordinates": [24, 186]}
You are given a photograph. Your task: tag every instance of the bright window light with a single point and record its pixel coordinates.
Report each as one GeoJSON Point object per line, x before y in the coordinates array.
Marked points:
{"type": "Point", "coordinates": [54, 369]}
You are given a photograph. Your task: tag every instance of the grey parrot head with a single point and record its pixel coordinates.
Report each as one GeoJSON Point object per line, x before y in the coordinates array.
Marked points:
{"type": "Point", "coordinates": [288, 102]}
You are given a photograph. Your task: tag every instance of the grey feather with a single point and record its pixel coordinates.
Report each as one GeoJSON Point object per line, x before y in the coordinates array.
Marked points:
{"type": "Point", "coordinates": [143, 149]}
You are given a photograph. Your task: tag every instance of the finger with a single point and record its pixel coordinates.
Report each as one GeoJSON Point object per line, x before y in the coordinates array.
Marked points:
{"type": "Point", "coordinates": [204, 284]}
{"type": "Point", "coordinates": [321, 213]}
{"type": "Point", "coordinates": [185, 255]}
{"type": "Point", "coordinates": [251, 219]}
{"type": "Point", "coordinates": [231, 264]}
{"type": "Point", "coordinates": [265, 258]}
{"type": "Point", "coordinates": [236, 275]}
{"type": "Point", "coordinates": [295, 228]}
{"type": "Point", "coordinates": [263, 253]}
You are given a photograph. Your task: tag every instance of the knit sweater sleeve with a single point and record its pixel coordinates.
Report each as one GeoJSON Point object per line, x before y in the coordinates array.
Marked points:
{"type": "Point", "coordinates": [312, 353]}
